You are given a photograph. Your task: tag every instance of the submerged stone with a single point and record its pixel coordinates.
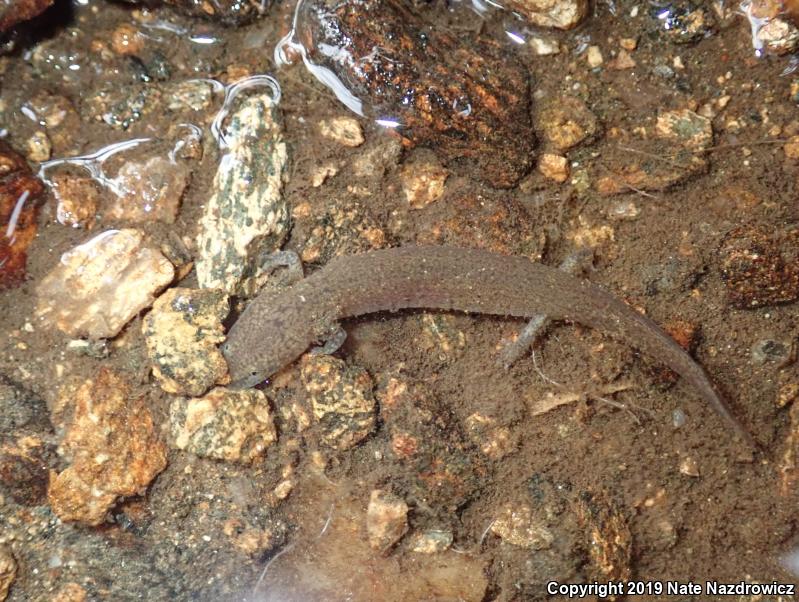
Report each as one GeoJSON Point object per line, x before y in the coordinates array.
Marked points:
{"type": "Point", "coordinates": [111, 443]}
{"type": "Point", "coordinates": [246, 217]}
{"type": "Point", "coordinates": [182, 333]}
{"type": "Point", "coordinates": [227, 425]}
{"type": "Point", "coordinates": [19, 196]}
{"type": "Point", "coordinates": [98, 286]}
{"type": "Point", "coordinates": [467, 100]}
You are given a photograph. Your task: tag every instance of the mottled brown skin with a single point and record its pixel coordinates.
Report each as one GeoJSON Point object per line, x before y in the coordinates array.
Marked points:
{"type": "Point", "coordinates": [275, 329]}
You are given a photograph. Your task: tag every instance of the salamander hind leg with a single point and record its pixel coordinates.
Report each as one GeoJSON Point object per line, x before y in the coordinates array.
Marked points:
{"type": "Point", "coordinates": [332, 340]}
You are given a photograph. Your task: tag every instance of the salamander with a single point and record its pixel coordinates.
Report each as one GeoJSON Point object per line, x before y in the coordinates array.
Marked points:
{"type": "Point", "coordinates": [276, 328]}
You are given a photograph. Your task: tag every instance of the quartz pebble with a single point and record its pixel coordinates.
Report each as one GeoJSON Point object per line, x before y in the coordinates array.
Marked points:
{"type": "Point", "coordinates": [565, 122]}
{"type": "Point", "coordinates": [386, 520]}
{"type": "Point", "coordinates": [235, 426]}
{"type": "Point", "coordinates": [98, 286]}
{"type": "Point", "coordinates": [111, 443]}
{"type": "Point", "coordinates": [423, 182]}
{"type": "Point", "coordinates": [433, 541]}
{"type": "Point", "coordinates": [341, 399]}
{"type": "Point", "coordinates": [554, 167]}
{"type": "Point", "coordinates": [689, 467]}
{"type": "Point", "coordinates": [8, 571]}
{"type": "Point", "coordinates": [559, 14]}
{"type": "Point", "coordinates": [149, 190]}
{"type": "Point", "coordinates": [344, 130]}
{"type": "Point", "coordinates": [246, 217]}
{"type": "Point", "coordinates": [182, 333]}
{"type": "Point", "coordinates": [517, 526]}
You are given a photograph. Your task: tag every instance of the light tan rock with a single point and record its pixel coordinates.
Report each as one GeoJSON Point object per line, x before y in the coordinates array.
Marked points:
{"type": "Point", "coordinates": [111, 443]}
{"type": "Point", "coordinates": [593, 57]}
{"type": "Point", "coordinates": [235, 426]}
{"type": "Point", "coordinates": [554, 167]}
{"type": "Point", "coordinates": [101, 284]}
{"type": "Point", "coordinates": [149, 190]}
{"type": "Point", "coordinates": [560, 14]}
{"type": "Point", "coordinates": [341, 399]}
{"type": "Point", "coordinates": [517, 526]}
{"type": "Point", "coordinates": [344, 130]}
{"type": "Point", "coordinates": [423, 182]}
{"type": "Point", "coordinates": [8, 571]}
{"type": "Point", "coordinates": [386, 520]}
{"type": "Point", "coordinates": [182, 333]}
{"type": "Point", "coordinates": [246, 216]}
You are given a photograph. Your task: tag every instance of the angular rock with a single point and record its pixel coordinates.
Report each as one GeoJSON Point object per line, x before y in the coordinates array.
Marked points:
{"type": "Point", "coordinates": [149, 190]}
{"type": "Point", "coordinates": [466, 99]}
{"type": "Point", "coordinates": [565, 122]}
{"type": "Point", "coordinates": [344, 130]}
{"type": "Point", "coordinates": [517, 526]}
{"type": "Point", "coordinates": [341, 399]}
{"type": "Point", "coordinates": [8, 571]}
{"type": "Point", "coordinates": [98, 286]}
{"type": "Point", "coordinates": [760, 265]}
{"type": "Point", "coordinates": [607, 535]}
{"type": "Point", "coordinates": [246, 217]}
{"type": "Point", "coordinates": [20, 191]}
{"type": "Point", "coordinates": [341, 230]}
{"type": "Point", "coordinates": [122, 106]}
{"type": "Point", "coordinates": [386, 520]}
{"type": "Point", "coordinates": [423, 182]}
{"type": "Point", "coordinates": [560, 14]}
{"type": "Point", "coordinates": [554, 167]}
{"type": "Point", "coordinates": [235, 426]}
{"type": "Point", "coordinates": [182, 333]}
{"type": "Point", "coordinates": [433, 541]}
{"type": "Point", "coordinates": [111, 443]}
{"type": "Point", "coordinates": [17, 11]}
{"type": "Point", "coordinates": [673, 156]}
{"type": "Point", "coordinates": [77, 197]}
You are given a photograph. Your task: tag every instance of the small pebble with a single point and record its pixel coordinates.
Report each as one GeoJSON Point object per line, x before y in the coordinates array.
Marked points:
{"type": "Point", "coordinates": [344, 130]}
{"type": "Point", "coordinates": [689, 467]}
{"type": "Point", "coordinates": [386, 520]}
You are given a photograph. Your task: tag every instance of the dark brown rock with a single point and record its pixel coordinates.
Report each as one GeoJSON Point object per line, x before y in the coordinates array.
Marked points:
{"type": "Point", "coordinates": [469, 102]}
{"type": "Point", "coordinates": [24, 471]}
{"type": "Point", "coordinates": [19, 195]}
{"type": "Point", "coordinates": [760, 266]}
{"type": "Point", "coordinates": [17, 11]}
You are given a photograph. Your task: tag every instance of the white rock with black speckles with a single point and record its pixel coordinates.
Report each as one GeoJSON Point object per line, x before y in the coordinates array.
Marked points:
{"type": "Point", "coordinates": [246, 216]}
{"type": "Point", "coordinates": [227, 425]}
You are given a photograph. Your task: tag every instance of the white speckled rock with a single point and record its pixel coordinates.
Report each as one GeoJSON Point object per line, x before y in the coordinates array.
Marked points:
{"type": "Point", "coordinates": [246, 216]}
{"type": "Point", "coordinates": [101, 284]}
{"type": "Point", "coordinates": [226, 425]}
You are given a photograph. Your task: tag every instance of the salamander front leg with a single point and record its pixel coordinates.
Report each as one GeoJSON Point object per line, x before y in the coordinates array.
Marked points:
{"type": "Point", "coordinates": [575, 263]}
{"type": "Point", "coordinates": [283, 259]}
